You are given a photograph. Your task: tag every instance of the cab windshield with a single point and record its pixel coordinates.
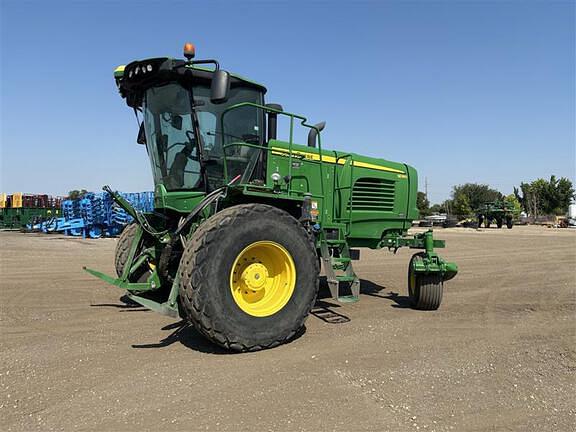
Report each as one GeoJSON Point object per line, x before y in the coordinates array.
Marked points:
{"type": "Point", "coordinates": [174, 148]}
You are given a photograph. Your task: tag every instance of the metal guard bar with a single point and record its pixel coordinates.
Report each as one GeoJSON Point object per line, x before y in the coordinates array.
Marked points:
{"type": "Point", "coordinates": [266, 148]}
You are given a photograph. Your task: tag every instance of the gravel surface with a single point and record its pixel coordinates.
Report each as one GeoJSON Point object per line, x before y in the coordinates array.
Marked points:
{"type": "Point", "coordinates": [499, 355]}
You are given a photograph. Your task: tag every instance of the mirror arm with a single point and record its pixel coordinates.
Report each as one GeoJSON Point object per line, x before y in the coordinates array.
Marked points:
{"type": "Point", "coordinates": [207, 61]}
{"type": "Point", "coordinates": [197, 62]}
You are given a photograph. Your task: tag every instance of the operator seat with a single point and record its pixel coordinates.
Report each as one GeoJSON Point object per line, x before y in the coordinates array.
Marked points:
{"type": "Point", "coordinates": [175, 177]}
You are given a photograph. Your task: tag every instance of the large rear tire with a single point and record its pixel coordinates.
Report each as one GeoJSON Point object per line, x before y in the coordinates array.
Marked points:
{"type": "Point", "coordinates": [249, 277]}
{"type": "Point", "coordinates": [509, 223]}
{"type": "Point", "coordinates": [425, 291]}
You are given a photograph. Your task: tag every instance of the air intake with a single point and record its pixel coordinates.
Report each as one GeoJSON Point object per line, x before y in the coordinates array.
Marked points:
{"type": "Point", "coordinates": [373, 194]}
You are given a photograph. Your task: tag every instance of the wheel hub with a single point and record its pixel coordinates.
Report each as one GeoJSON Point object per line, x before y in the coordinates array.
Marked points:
{"type": "Point", "coordinates": [262, 278]}
{"type": "Point", "coordinates": [254, 276]}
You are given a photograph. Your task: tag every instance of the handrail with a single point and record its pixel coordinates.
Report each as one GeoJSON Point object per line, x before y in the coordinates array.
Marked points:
{"type": "Point", "coordinates": [349, 207]}
{"type": "Point", "coordinates": [290, 142]}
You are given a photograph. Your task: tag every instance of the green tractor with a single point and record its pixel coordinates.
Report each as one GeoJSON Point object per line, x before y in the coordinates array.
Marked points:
{"type": "Point", "coordinates": [244, 220]}
{"type": "Point", "coordinates": [498, 211]}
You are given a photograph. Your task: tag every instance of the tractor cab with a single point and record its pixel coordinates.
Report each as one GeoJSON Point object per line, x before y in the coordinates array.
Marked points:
{"type": "Point", "coordinates": [187, 122]}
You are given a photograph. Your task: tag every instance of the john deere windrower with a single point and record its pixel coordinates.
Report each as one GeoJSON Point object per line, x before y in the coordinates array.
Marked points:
{"type": "Point", "coordinates": [243, 218]}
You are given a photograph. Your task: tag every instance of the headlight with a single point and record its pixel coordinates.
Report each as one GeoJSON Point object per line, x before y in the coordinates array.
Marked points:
{"type": "Point", "coordinates": [276, 177]}
{"type": "Point", "coordinates": [130, 74]}
{"type": "Point", "coordinates": [149, 68]}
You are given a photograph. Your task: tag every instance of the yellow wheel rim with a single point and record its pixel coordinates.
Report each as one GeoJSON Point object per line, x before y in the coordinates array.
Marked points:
{"type": "Point", "coordinates": [262, 278]}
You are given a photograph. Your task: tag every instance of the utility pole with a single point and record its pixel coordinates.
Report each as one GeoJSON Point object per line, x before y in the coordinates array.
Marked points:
{"type": "Point", "coordinates": [426, 187]}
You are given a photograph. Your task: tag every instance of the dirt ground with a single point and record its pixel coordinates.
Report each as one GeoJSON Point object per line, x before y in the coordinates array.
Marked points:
{"type": "Point", "coordinates": [498, 355]}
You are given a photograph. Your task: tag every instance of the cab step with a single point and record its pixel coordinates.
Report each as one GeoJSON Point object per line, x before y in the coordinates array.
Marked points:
{"type": "Point", "coordinates": [342, 260]}
{"type": "Point", "coordinates": [346, 278]}
{"type": "Point", "coordinates": [337, 259]}
{"type": "Point", "coordinates": [348, 299]}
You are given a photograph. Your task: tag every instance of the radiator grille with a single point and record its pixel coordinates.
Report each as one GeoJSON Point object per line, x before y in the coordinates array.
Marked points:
{"type": "Point", "coordinates": [373, 194]}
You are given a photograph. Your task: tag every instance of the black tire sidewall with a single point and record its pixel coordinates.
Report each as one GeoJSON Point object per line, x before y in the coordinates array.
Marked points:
{"type": "Point", "coordinates": [123, 250]}
{"type": "Point", "coordinates": [423, 287]}
{"type": "Point", "coordinates": [123, 247]}
{"type": "Point", "coordinates": [414, 295]}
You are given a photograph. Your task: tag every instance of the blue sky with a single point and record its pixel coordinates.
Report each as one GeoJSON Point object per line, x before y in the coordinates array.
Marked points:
{"type": "Point", "coordinates": [464, 91]}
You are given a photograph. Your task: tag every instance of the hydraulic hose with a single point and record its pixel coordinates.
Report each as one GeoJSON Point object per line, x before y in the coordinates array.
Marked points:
{"type": "Point", "coordinates": [164, 259]}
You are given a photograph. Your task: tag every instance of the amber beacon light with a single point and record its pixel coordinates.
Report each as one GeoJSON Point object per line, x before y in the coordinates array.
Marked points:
{"type": "Point", "coordinates": [189, 50]}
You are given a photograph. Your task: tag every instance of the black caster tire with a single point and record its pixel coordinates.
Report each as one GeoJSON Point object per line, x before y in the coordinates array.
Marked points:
{"type": "Point", "coordinates": [509, 223]}
{"type": "Point", "coordinates": [425, 291]}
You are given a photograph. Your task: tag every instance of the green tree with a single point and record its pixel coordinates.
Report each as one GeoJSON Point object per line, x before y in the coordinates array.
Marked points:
{"type": "Point", "coordinates": [560, 193]}
{"type": "Point", "coordinates": [515, 203]}
{"type": "Point", "coordinates": [75, 194]}
{"type": "Point", "coordinates": [437, 208]}
{"type": "Point", "coordinates": [529, 196]}
{"type": "Point", "coordinates": [461, 206]}
{"type": "Point", "coordinates": [545, 197]}
{"type": "Point", "coordinates": [423, 204]}
{"type": "Point", "coordinates": [443, 207]}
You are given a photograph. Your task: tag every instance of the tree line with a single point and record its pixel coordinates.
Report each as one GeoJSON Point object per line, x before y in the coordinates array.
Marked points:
{"type": "Point", "coordinates": [76, 193]}
{"type": "Point", "coordinates": [537, 198]}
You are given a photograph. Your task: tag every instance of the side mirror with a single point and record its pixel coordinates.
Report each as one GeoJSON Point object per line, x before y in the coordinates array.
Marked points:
{"type": "Point", "coordinates": [141, 139]}
{"type": "Point", "coordinates": [314, 133]}
{"type": "Point", "coordinates": [220, 86]}
{"type": "Point", "coordinates": [273, 121]}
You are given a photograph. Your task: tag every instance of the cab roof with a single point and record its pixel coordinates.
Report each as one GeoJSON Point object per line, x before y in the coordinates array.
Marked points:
{"type": "Point", "coordinates": [119, 73]}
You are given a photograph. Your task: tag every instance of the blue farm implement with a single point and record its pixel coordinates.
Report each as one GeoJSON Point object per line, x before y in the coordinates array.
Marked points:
{"type": "Point", "coordinates": [94, 215]}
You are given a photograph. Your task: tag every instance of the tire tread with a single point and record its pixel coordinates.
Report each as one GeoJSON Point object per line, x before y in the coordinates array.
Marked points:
{"type": "Point", "coordinates": [429, 289]}
{"type": "Point", "coordinates": [123, 247]}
